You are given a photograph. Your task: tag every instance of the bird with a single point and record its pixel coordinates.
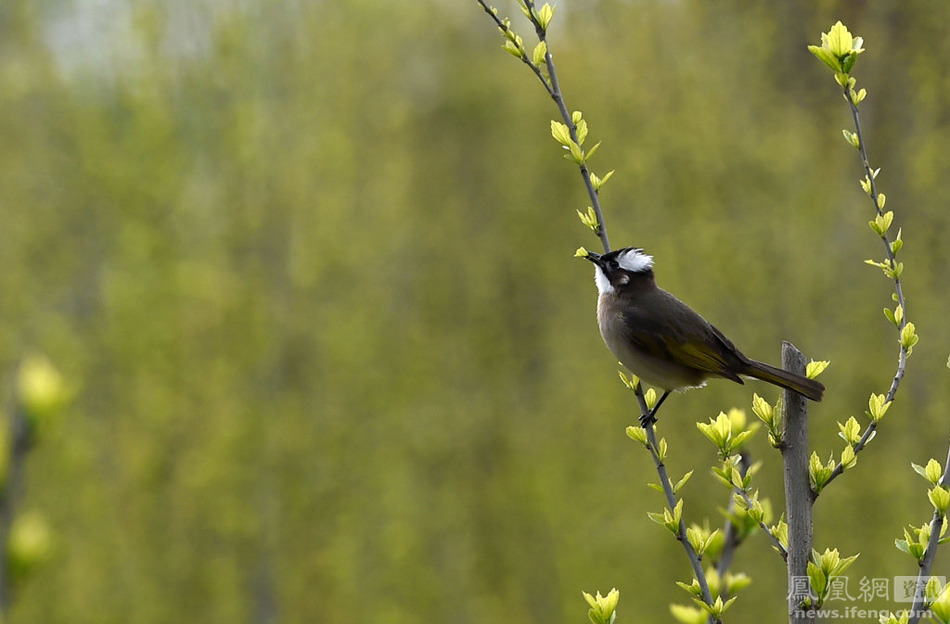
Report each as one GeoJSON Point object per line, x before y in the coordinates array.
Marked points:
{"type": "Point", "coordinates": [664, 341]}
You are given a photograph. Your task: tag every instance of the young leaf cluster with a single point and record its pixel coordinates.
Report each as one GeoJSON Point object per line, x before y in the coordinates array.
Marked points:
{"type": "Point", "coordinates": [537, 60]}
{"type": "Point", "coordinates": [916, 539]}
{"type": "Point", "coordinates": [603, 609]}
{"type": "Point", "coordinates": [822, 569]}
{"type": "Point", "coordinates": [727, 431]}
{"type": "Point", "coordinates": [669, 518]}
{"type": "Point", "coordinates": [724, 587]}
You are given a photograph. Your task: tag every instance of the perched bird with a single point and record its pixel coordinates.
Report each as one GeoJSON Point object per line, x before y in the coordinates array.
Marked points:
{"type": "Point", "coordinates": [664, 341]}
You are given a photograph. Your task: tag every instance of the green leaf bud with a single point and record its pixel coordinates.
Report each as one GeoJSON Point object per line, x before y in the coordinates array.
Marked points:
{"type": "Point", "coordinates": [650, 397]}
{"type": "Point", "coordinates": [512, 48]}
{"type": "Point", "coordinates": [839, 40]}
{"type": "Point", "coordinates": [933, 472]}
{"type": "Point", "coordinates": [598, 182]}
{"type": "Point", "coordinates": [826, 57]}
{"type": "Point", "coordinates": [591, 151]}
{"type": "Point", "coordinates": [638, 434]}
{"type": "Point", "coordinates": [815, 368]}
{"type": "Point", "coordinates": [577, 154]}
{"type": "Point", "coordinates": [539, 52]}
{"type": "Point", "coordinates": [632, 382]}
{"type": "Point", "coordinates": [898, 243]}
{"type": "Point", "coordinates": [882, 222]}
{"type": "Point", "coordinates": [602, 608]}
{"type": "Point", "coordinates": [581, 127]}
{"type": "Point", "coordinates": [850, 432]}
{"type": "Point", "coordinates": [780, 532]}
{"type": "Point", "coordinates": [877, 407]}
{"type": "Point", "coordinates": [940, 498]}
{"type": "Point", "coordinates": [940, 608]}
{"type": "Point", "coordinates": [679, 484]}
{"type": "Point", "coordinates": [688, 615]}
{"type": "Point", "coordinates": [763, 409]}
{"type": "Point", "coordinates": [852, 138]}
{"type": "Point", "coordinates": [544, 15]}
{"type": "Point", "coordinates": [848, 457]}
{"type": "Point", "coordinates": [909, 337]}
{"type": "Point", "coordinates": [560, 132]}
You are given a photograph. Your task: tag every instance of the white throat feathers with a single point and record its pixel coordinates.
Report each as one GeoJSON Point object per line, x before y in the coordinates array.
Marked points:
{"type": "Point", "coordinates": [604, 286]}
{"type": "Point", "coordinates": [635, 261]}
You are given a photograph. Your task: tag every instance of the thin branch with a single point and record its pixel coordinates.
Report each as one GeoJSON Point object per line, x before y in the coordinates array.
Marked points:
{"type": "Point", "coordinates": [862, 442]}
{"type": "Point", "coordinates": [926, 564]}
{"type": "Point", "coordinates": [731, 535]}
{"type": "Point", "coordinates": [898, 287]}
{"type": "Point", "coordinates": [553, 87]}
{"type": "Point", "coordinates": [775, 541]}
{"type": "Point", "coordinates": [671, 499]}
{"type": "Point", "coordinates": [510, 34]}
{"type": "Point", "coordinates": [732, 539]}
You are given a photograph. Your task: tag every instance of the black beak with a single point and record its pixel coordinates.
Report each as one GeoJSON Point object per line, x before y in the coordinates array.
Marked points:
{"type": "Point", "coordinates": [594, 257]}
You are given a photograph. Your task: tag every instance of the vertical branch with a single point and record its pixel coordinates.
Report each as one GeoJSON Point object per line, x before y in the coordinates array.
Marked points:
{"type": "Point", "coordinates": [926, 564]}
{"type": "Point", "coordinates": [798, 494]}
{"type": "Point", "coordinates": [671, 500]}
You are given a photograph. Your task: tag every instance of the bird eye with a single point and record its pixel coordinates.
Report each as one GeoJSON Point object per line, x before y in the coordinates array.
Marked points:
{"type": "Point", "coordinates": [613, 265]}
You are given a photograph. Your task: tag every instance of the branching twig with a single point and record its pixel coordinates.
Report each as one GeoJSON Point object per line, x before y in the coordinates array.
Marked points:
{"type": "Point", "coordinates": [505, 28]}
{"type": "Point", "coordinates": [552, 86]}
{"type": "Point", "coordinates": [732, 538]}
{"type": "Point", "coordinates": [870, 177]}
{"type": "Point", "coordinates": [775, 541]}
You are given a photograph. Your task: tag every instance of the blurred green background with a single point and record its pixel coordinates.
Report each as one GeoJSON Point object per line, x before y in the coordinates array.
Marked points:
{"type": "Point", "coordinates": [310, 267]}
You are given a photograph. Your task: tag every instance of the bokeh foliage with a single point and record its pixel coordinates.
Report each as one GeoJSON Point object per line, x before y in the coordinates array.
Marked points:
{"type": "Point", "coordinates": [309, 266]}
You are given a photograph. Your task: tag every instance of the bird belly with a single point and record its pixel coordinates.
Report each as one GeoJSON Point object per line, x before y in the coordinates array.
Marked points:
{"type": "Point", "coordinates": [658, 372]}
{"type": "Point", "coordinates": [654, 370]}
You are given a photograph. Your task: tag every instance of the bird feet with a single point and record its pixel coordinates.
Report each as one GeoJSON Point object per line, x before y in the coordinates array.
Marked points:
{"type": "Point", "coordinates": [650, 417]}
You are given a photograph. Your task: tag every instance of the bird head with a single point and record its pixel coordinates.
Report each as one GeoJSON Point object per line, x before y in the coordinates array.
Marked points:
{"type": "Point", "coordinates": [617, 268]}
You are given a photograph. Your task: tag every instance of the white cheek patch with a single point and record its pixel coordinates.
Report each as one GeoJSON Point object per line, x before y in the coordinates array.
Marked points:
{"type": "Point", "coordinates": [635, 261]}
{"type": "Point", "coordinates": [603, 284]}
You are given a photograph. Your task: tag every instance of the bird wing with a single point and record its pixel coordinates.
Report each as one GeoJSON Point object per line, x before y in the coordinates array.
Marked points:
{"type": "Point", "coordinates": [680, 334]}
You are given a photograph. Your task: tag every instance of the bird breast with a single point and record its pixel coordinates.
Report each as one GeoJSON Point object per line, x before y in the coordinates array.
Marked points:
{"type": "Point", "coordinates": [656, 369]}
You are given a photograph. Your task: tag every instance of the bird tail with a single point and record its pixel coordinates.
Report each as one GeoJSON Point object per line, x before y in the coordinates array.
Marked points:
{"type": "Point", "coordinates": [802, 385]}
